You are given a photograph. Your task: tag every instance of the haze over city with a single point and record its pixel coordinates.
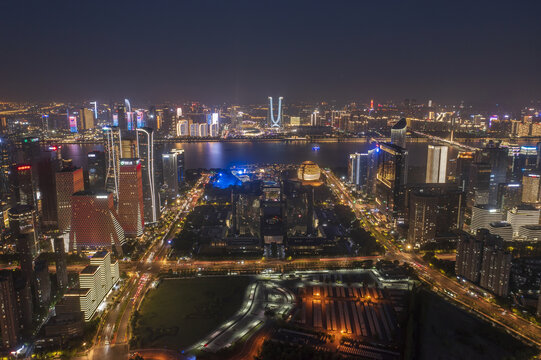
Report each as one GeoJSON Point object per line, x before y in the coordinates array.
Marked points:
{"type": "Point", "coordinates": [482, 52]}
{"type": "Point", "coordinates": [269, 180]}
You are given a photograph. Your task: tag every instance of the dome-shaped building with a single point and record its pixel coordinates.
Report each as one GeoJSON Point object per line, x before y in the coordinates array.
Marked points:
{"type": "Point", "coordinates": [309, 171]}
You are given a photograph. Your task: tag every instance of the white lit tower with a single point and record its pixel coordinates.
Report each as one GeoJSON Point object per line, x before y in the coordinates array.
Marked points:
{"type": "Point", "coordinates": [271, 120]}
{"type": "Point", "coordinates": [113, 151]}
{"type": "Point", "coordinates": [145, 152]}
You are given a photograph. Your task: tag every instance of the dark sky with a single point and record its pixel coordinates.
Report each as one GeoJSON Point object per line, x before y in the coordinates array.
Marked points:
{"type": "Point", "coordinates": [243, 51]}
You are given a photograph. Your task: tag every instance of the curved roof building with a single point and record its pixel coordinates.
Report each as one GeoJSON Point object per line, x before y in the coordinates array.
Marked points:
{"type": "Point", "coordinates": [398, 133]}
{"type": "Point", "coordinates": [309, 171]}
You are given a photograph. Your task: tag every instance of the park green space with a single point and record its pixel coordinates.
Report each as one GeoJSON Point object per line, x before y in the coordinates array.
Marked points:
{"type": "Point", "coordinates": [181, 312]}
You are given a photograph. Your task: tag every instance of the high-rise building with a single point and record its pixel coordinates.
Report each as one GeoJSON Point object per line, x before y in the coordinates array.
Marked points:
{"type": "Point", "coordinates": [173, 170]}
{"type": "Point", "coordinates": [469, 256]}
{"type": "Point", "coordinates": [23, 187]}
{"type": "Point", "coordinates": [272, 121]}
{"type": "Point", "coordinates": [130, 197]}
{"type": "Point", "coordinates": [479, 184]}
{"type": "Point", "coordinates": [30, 149]}
{"type": "Point", "coordinates": [462, 173]}
{"type": "Point", "coordinates": [194, 129]}
{"type": "Point", "coordinates": [358, 170]}
{"type": "Point", "coordinates": [60, 263]}
{"type": "Point", "coordinates": [113, 151]}
{"type": "Point", "coordinates": [95, 281]}
{"type": "Point", "coordinates": [495, 269]}
{"type": "Point", "coordinates": [183, 128]}
{"type": "Point", "coordinates": [203, 130]}
{"type": "Point", "coordinates": [436, 164]}
{"type": "Point", "coordinates": [68, 181]}
{"type": "Point", "coordinates": [94, 222]}
{"type": "Point", "coordinates": [398, 133]}
{"type": "Point", "coordinates": [48, 164]}
{"type": "Point", "coordinates": [530, 188]}
{"type": "Point", "coordinates": [522, 215]}
{"type": "Point", "coordinates": [42, 281]}
{"type": "Point", "coordinates": [391, 179]}
{"type": "Point", "coordinates": [9, 322]}
{"type": "Point", "coordinates": [119, 117]}
{"type": "Point", "coordinates": [23, 297]}
{"type": "Point", "coordinates": [214, 130]}
{"type": "Point", "coordinates": [102, 259]}
{"type": "Point", "coordinates": [433, 210]}
{"type": "Point", "coordinates": [525, 161]}
{"type": "Point", "coordinates": [86, 119]}
{"type": "Point", "coordinates": [498, 159]}
{"type": "Point", "coordinates": [97, 170]}
{"type": "Point", "coordinates": [509, 196]}
{"type": "Point", "coordinates": [145, 147]}
{"type": "Point", "coordinates": [482, 216]}
{"type": "Point", "coordinates": [7, 162]}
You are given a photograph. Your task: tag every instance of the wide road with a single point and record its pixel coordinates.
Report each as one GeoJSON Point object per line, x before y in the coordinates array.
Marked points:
{"type": "Point", "coordinates": [456, 291]}
{"type": "Point", "coordinates": [112, 340]}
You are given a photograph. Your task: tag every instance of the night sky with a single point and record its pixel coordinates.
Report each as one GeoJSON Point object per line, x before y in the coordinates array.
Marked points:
{"type": "Point", "coordinates": [243, 51]}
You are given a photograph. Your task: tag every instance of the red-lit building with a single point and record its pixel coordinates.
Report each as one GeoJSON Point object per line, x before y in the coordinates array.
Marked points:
{"type": "Point", "coordinates": [94, 221]}
{"type": "Point", "coordinates": [130, 197]}
{"type": "Point", "coordinates": [68, 181]}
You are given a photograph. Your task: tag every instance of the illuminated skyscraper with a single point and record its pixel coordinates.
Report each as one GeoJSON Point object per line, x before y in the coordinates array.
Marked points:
{"type": "Point", "coordinates": [68, 181]}
{"type": "Point", "coordinates": [358, 169]}
{"type": "Point", "coordinates": [113, 150]}
{"type": "Point", "coordinates": [398, 133]}
{"type": "Point", "coordinates": [214, 130]}
{"type": "Point", "coordinates": [203, 130]}
{"type": "Point", "coordinates": [173, 169]}
{"type": "Point", "coordinates": [436, 164]}
{"type": "Point", "coordinates": [145, 149]}
{"type": "Point", "coordinates": [183, 128]}
{"type": "Point", "coordinates": [94, 222]}
{"type": "Point", "coordinates": [130, 197]}
{"type": "Point", "coordinates": [22, 184]}
{"type": "Point", "coordinates": [275, 122]}
{"type": "Point", "coordinates": [391, 179]}
{"type": "Point", "coordinates": [530, 188]}
{"type": "Point", "coordinates": [86, 119]}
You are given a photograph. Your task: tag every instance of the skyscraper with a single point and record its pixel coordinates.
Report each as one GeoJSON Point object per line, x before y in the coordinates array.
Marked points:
{"type": "Point", "coordinates": [130, 197]}
{"type": "Point", "coordinates": [97, 170]}
{"type": "Point", "coordinates": [68, 181]}
{"type": "Point", "coordinates": [391, 179]}
{"type": "Point", "coordinates": [86, 119]}
{"type": "Point", "coordinates": [173, 170]}
{"type": "Point", "coordinates": [42, 281]}
{"type": "Point", "coordinates": [48, 165]}
{"type": "Point", "coordinates": [275, 122]}
{"type": "Point", "coordinates": [23, 221]}
{"type": "Point", "coordinates": [530, 188]}
{"type": "Point", "coordinates": [61, 263]}
{"type": "Point", "coordinates": [495, 268]}
{"type": "Point", "coordinates": [113, 150]}
{"type": "Point", "coordinates": [358, 169]}
{"type": "Point", "coordinates": [94, 222]}
{"type": "Point", "coordinates": [398, 133]}
{"type": "Point", "coordinates": [436, 164]}
{"type": "Point", "coordinates": [433, 209]}
{"type": "Point", "coordinates": [145, 148]}
{"type": "Point", "coordinates": [22, 184]}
